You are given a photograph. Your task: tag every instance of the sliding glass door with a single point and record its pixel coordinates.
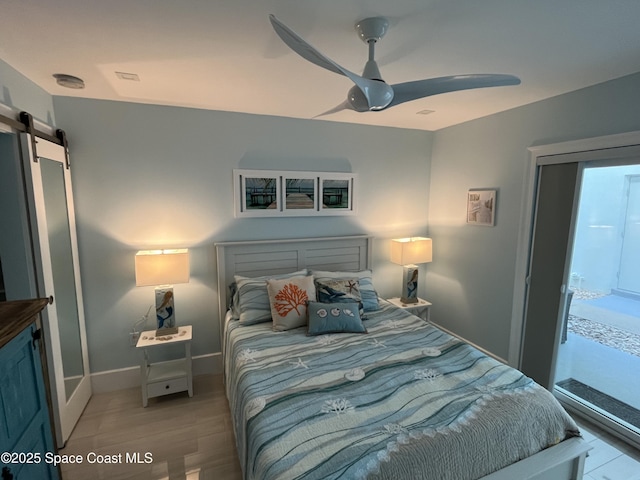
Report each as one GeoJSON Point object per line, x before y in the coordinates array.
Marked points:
{"type": "Point", "coordinates": [598, 356]}
{"type": "Point", "coordinates": [580, 264]}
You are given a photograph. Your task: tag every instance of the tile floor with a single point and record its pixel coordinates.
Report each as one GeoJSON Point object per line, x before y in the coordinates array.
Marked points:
{"type": "Point", "coordinates": [610, 459]}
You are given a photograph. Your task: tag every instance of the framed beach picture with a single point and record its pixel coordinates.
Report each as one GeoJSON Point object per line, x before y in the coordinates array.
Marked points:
{"type": "Point", "coordinates": [481, 207]}
{"type": "Point", "coordinates": [336, 193]}
{"type": "Point", "coordinates": [271, 193]}
{"type": "Point", "coordinates": [300, 193]}
{"type": "Point", "coordinates": [259, 192]}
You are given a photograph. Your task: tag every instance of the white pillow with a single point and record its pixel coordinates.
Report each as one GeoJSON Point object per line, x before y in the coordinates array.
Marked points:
{"type": "Point", "coordinates": [288, 298]}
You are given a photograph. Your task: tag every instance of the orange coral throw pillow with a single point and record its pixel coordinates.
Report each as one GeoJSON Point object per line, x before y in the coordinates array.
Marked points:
{"type": "Point", "coordinates": [288, 299]}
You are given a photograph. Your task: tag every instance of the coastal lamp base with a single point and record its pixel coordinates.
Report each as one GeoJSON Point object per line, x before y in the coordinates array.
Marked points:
{"type": "Point", "coordinates": [409, 284]}
{"type": "Point", "coordinates": [165, 311]}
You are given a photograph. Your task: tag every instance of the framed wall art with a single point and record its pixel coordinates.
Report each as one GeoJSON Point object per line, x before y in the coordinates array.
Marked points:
{"type": "Point", "coordinates": [336, 193]}
{"type": "Point", "coordinates": [271, 193]}
{"type": "Point", "coordinates": [481, 207]}
{"type": "Point", "coordinates": [300, 194]}
{"type": "Point", "coordinates": [260, 192]}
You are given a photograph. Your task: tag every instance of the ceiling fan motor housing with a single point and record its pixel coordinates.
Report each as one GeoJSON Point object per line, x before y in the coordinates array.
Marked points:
{"type": "Point", "coordinates": [377, 96]}
{"type": "Point", "coordinates": [372, 28]}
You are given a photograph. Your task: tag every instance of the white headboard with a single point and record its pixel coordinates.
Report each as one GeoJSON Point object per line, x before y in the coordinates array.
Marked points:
{"type": "Point", "coordinates": [266, 257]}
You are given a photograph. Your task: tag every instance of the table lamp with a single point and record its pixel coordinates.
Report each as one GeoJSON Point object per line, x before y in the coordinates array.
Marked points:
{"type": "Point", "coordinates": [408, 252]}
{"type": "Point", "coordinates": [163, 268]}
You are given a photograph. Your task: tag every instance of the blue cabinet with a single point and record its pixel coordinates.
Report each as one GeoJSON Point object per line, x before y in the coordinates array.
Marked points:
{"type": "Point", "coordinates": [25, 426]}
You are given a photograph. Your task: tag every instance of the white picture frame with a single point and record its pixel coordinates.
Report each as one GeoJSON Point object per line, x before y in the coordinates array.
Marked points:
{"type": "Point", "coordinates": [259, 193]}
{"type": "Point", "coordinates": [336, 194]}
{"type": "Point", "coordinates": [481, 207]}
{"type": "Point", "coordinates": [278, 193]}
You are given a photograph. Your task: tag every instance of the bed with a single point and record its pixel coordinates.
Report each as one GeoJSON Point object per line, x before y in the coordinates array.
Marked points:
{"type": "Point", "coordinates": [403, 400]}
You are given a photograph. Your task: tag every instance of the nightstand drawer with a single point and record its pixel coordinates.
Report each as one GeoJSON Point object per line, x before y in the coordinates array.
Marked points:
{"type": "Point", "coordinates": [167, 387]}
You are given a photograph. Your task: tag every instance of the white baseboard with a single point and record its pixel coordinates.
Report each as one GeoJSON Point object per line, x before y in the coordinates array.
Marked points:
{"type": "Point", "coordinates": [123, 378]}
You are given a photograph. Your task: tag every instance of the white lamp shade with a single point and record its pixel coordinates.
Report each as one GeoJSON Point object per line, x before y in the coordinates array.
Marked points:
{"type": "Point", "coordinates": [414, 250]}
{"type": "Point", "coordinates": [162, 267]}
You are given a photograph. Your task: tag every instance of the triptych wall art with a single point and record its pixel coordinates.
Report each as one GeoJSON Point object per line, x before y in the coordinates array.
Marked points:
{"type": "Point", "coordinates": [271, 193]}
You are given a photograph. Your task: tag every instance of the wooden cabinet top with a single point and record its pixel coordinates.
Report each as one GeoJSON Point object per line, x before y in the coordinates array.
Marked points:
{"type": "Point", "coordinates": [16, 315]}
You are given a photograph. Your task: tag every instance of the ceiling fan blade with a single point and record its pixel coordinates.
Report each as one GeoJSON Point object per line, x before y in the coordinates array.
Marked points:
{"type": "Point", "coordinates": [306, 51]}
{"type": "Point", "coordinates": [302, 48]}
{"type": "Point", "coordinates": [338, 108]}
{"type": "Point", "coordinates": [408, 91]}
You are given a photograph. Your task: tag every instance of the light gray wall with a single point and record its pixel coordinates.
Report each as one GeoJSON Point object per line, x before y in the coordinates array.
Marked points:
{"type": "Point", "coordinates": [20, 94]}
{"type": "Point", "coordinates": [154, 176]}
{"type": "Point", "coordinates": [471, 278]}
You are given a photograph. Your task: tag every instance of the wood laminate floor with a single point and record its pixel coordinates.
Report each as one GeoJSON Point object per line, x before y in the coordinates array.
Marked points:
{"type": "Point", "coordinates": [187, 438]}
{"type": "Point", "coordinates": [192, 439]}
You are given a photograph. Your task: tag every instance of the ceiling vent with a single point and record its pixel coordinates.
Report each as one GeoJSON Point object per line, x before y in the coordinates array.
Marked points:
{"type": "Point", "coordinates": [128, 76]}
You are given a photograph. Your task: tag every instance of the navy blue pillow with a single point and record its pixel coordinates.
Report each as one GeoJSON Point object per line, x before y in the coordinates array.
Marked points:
{"type": "Point", "coordinates": [342, 317]}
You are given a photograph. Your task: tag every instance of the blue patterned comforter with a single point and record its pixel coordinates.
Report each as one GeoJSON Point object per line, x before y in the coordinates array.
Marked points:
{"type": "Point", "coordinates": [405, 401]}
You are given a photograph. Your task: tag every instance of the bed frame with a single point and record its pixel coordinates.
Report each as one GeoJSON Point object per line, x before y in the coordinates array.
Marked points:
{"type": "Point", "coordinates": [564, 461]}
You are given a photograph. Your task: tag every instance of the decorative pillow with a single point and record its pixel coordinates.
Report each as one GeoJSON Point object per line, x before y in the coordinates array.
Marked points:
{"type": "Point", "coordinates": [233, 302]}
{"type": "Point", "coordinates": [339, 291]}
{"type": "Point", "coordinates": [251, 300]}
{"type": "Point", "coordinates": [288, 299]}
{"type": "Point", "coordinates": [367, 292]}
{"type": "Point", "coordinates": [342, 317]}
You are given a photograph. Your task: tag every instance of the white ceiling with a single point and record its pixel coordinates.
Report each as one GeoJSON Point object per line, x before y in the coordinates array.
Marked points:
{"type": "Point", "coordinates": [224, 55]}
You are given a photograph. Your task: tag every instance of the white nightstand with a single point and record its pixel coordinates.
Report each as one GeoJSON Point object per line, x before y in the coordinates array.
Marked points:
{"type": "Point", "coordinates": [421, 309]}
{"type": "Point", "coordinates": [163, 378]}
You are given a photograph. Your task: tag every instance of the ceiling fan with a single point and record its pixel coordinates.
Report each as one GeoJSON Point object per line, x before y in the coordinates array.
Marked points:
{"type": "Point", "coordinates": [371, 92]}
